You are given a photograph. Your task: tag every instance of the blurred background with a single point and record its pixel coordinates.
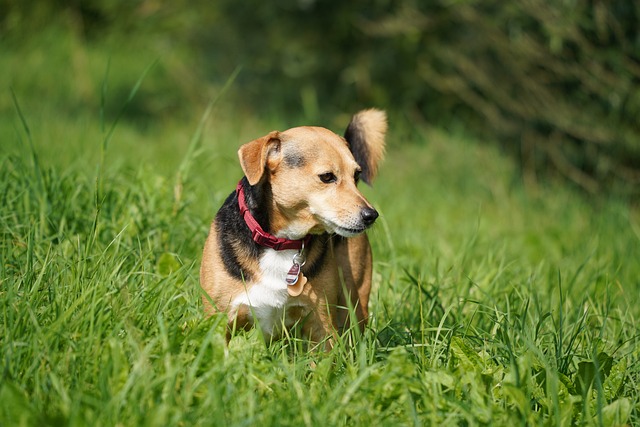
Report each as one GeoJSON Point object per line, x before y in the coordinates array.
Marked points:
{"type": "Point", "coordinates": [554, 84]}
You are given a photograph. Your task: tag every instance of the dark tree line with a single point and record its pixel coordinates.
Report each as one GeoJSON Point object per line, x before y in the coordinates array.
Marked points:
{"type": "Point", "coordinates": [557, 83]}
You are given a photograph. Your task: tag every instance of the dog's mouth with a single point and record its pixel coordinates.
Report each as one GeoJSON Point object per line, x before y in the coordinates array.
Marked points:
{"type": "Point", "coordinates": [349, 232]}
{"type": "Point", "coordinates": [343, 231]}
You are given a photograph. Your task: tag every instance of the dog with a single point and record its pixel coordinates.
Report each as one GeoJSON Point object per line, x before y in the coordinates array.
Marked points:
{"type": "Point", "coordinates": [287, 248]}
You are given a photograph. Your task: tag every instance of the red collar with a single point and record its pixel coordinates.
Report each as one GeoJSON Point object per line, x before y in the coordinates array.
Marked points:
{"type": "Point", "coordinates": [260, 236]}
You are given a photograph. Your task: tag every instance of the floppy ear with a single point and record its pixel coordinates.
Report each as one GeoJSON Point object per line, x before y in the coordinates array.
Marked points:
{"type": "Point", "coordinates": [365, 136]}
{"type": "Point", "coordinates": [257, 155]}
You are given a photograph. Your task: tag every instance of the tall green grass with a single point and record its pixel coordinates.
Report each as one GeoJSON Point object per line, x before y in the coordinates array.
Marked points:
{"type": "Point", "coordinates": [492, 304]}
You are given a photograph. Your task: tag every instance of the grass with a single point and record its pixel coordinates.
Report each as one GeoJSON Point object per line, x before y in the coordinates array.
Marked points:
{"type": "Point", "coordinates": [492, 304]}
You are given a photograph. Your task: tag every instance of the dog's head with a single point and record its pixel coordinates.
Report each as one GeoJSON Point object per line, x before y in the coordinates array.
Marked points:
{"type": "Point", "coordinates": [312, 174]}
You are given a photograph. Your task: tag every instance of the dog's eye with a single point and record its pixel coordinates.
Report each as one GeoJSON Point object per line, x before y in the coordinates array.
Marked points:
{"type": "Point", "coordinates": [356, 176]}
{"type": "Point", "coordinates": [327, 178]}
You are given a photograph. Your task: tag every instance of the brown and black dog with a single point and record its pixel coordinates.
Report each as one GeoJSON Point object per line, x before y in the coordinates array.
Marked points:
{"type": "Point", "coordinates": [287, 247]}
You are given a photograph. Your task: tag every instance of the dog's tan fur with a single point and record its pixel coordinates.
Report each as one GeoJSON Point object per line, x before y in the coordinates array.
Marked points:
{"type": "Point", "coordinates": [284, 169]}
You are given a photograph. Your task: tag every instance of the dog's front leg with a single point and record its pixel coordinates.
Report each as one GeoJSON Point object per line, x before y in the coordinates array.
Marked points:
{"type": "Point", "coordinates": [320, 328]}
{"type": "Point", "coordinates": [238, 320]}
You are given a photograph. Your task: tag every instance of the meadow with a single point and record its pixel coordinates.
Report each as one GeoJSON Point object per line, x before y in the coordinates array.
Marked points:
{"type": "Point", "coordinates": [494, 302]}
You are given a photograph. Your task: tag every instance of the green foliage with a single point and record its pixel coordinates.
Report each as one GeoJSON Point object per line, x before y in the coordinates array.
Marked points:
{"type": "Point", "coordinates": [553, 82]}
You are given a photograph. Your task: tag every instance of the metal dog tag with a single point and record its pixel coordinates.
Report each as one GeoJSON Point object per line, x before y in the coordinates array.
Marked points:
{"type": "Point", "coordinates": [292, 275]}
{"type": "Point", "coordinates": [294, 272]}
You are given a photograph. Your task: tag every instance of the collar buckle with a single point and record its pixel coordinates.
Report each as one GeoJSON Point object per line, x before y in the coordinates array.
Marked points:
{"type": "Point", "coordinates": [263, 239]}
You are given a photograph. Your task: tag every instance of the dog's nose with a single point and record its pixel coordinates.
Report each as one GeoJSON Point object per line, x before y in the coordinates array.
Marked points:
{"type": "Point", "coordinates": [369, 216]}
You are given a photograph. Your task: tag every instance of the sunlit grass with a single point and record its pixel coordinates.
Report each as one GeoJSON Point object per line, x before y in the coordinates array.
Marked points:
{"type": "Point", "coordinates": [492, 303]}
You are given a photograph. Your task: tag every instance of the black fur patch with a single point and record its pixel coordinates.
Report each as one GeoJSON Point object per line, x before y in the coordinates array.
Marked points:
{"type": "Point", "coordinates": [294, 159]}
{"type": "Point", "coordinates": [233, 232]}
{"type": "Point", "coordinates": [318, 248]}
{"type": "Point", "coordinates": [358, 146]}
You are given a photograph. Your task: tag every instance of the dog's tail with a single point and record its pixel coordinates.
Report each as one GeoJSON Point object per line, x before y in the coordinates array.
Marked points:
{"type": "Point", "coordinates": [365, 135]}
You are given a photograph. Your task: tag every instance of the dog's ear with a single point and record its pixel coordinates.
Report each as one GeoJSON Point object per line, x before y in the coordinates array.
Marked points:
{"type": "Point", "coordinates": [365, 136]}
{"type": "Point", "coordinates": [258, 155]}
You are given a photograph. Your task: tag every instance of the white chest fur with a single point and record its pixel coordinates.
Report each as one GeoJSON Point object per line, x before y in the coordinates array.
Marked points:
{"type": "Point", "coordinates": [268, 297]}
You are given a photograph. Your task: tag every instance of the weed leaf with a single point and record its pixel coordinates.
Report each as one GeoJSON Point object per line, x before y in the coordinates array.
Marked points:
{"type": "Point", "coordinates": [464, 354]}
{"type": "Point", "coordinates": [614, 382]}
{"type": "Point", "coordinates": [167, 264]}
{"type": "Point", "coordinates": [587, 371]}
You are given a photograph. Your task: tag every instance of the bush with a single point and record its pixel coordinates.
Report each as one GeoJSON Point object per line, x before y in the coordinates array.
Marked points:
{"type": "Point", "coordinates": [556, 83]}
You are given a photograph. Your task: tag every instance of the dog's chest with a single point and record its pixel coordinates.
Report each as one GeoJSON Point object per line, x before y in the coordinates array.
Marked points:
{"type": "Point", "coordinates": [268, 297]}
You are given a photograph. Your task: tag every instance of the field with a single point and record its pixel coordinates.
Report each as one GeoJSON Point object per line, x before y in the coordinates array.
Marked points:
{"type": "Point", "coordinates": [494, 303]}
